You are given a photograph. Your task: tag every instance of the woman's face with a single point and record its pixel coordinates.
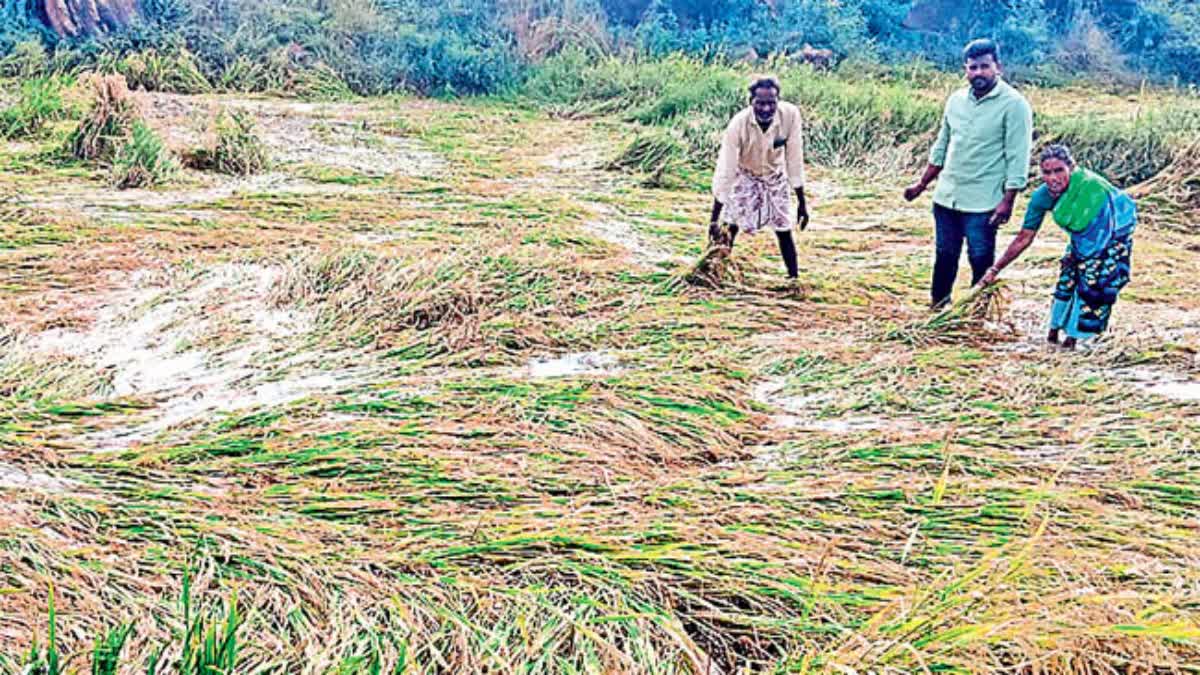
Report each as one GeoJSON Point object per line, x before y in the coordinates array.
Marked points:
{"type": "Point", "coordinates": [1057, 175]}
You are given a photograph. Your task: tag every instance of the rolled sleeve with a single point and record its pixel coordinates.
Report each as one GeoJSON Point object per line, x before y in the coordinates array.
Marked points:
{"type": "Point", "coordinates": [1041, 202]}
{"type": "Point", "coordinates": [1018, 145]}
{"type": "Point", "coordinates": [727, 165]}
{"type": "Point", "coordinates": [937, 154]}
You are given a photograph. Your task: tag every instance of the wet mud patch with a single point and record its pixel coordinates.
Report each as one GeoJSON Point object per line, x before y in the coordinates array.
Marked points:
{"type": "Point", "coordinates": [199, 345]}
{"type": "Point", "coordinates": [339, 135]}
{"type": "Point", "coordinates": [22, 480]}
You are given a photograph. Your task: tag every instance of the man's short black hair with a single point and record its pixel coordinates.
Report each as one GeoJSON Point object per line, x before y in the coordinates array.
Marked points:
{"type": "Point", "coordinates": [977, 49]}
{"type": "Point", "coordinates": [761, 81]}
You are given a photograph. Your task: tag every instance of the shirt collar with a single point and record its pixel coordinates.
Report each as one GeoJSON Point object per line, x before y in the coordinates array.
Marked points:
{"type": "Point", "coordinates": [752, 121]}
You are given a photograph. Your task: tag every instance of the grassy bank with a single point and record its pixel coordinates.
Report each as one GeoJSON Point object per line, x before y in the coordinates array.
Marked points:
{"type": "Point", "coordinates": [875, 119]}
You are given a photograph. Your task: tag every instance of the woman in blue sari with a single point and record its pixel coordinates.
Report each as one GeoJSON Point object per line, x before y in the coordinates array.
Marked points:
{"type": "Point", "coordinates": [1100, 220]}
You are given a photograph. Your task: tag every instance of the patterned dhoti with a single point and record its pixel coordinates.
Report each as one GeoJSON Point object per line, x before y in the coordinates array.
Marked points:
{"type": "Point", "coordinates": [759, 202]}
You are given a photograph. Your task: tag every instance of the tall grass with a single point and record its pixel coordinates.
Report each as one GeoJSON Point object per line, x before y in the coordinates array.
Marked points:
{"type": "Point", "coordinates": [41, 102]}
{"type": "Point", "coordinates": [847, 122]}
{"type": "Point", "coordinates": [208, 648]}
{"type": "Point", "coordinates": [48, 661]}
{"type": "Point", "coordinates": [1126, 151]}
{"type": "Point", "coordinates": [143, 160]}
{"type": "Point", "coordinates": [106, 655]}
{"type": "Point", "coordinates": [866, 120]}
{"type": "Point", "coordinates": [27, 60]}
{"type": "Point", "coordinates": [235, 149]}
{"type": "Point", "coordinates": [174, 71]}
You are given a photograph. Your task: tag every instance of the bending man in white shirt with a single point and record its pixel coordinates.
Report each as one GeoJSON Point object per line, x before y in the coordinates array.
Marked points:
{"type": "Point", "coordinates": [761, 159]}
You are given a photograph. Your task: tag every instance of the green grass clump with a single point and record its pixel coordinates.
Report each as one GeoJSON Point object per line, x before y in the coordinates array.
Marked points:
{"type": "Point", "coordinates": [41, 102]}
{"type": "Point", "coordinates": [236, 149]}
{"type": "Point", "coordinates": [109, 122]}
{"type": "Point", "coordinates": [209, 647]}
{"type": "Point", "coordinates": [143, 161]}
{"type": "Point", "coordinates": [106, 655]}
{"type": "Point", "coordinates": [173, 71]}
{"type": "Point", "coordinates": [26, 61]}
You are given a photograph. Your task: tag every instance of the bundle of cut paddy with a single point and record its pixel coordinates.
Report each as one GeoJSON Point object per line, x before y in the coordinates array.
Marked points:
{"type": "Point", "coordinates": [962, 321]}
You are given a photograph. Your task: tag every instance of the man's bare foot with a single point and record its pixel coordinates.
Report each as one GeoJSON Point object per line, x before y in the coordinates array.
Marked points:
{"type": "Point", "coordinates": [1052, 338]}
{"type": "Point", "coordinates": [1069, 343]}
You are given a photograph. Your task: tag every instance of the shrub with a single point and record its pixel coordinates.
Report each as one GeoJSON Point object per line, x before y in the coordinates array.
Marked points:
{"type": "Point", "coordinates": [41, 102]}
{"type": "Point", "coordinates": [26, 59]}
{"type": "Point", "coordinates": [142, 160]}
{"type": "Point", "coordinates": [446, 65]}
{"type": "Point", "coordinates": [236, 149]}
{"type": "Point", "coordinates": [1088, 48]}
{"type": "Point", "coordinates": [174, 71]}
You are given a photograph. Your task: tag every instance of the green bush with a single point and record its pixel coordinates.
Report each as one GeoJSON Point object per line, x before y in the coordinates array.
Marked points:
{"type": "Point", "coordinates": [25, 60]}
{"type": "Point", "coordinates": [173, 71]}
{"type": "Point", "coordinates": [236, 150]}
{"type": "Point", "coordinates": [41, 102]}
{"type": "Point", "coordinates": [143, 160]}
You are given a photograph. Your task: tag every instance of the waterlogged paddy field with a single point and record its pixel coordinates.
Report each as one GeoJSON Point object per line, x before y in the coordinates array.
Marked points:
{"type": "Point", "coordinates": [430, 397]}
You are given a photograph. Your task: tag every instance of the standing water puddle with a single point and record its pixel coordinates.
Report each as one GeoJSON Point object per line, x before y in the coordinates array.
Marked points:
{"type": "Point", "coordinates": [584, 363]}
{"type": "Point", "coordinates": [198, 346]}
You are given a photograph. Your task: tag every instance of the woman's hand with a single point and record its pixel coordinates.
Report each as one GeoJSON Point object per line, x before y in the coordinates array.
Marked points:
{"type": "Point", "coordinates": [989, 277]}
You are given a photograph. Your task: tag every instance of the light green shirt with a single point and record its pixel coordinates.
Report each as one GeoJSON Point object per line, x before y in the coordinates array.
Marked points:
{"type": "Point", "coordinates": [983, 148]}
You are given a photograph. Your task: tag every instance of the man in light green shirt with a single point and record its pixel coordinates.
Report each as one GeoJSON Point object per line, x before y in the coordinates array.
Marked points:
{"type": "Point", "coordinates": [981, 161]}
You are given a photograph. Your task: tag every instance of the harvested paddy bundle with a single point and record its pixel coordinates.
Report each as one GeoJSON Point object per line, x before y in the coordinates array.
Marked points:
{"type": "Point", "coordinates": [110, 121]}
{"type": "Point", "coordinates": [711, 268]}
{"type": "Point", "coordinates": [714, 268]}
{"type": "Point", "coordinates": [962, 321]}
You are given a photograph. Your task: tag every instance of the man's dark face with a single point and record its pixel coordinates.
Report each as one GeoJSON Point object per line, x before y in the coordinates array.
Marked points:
{"type": "Point", "coordinates": [765, 102]}
{"type": "Point", "coordinates": [982, 72]}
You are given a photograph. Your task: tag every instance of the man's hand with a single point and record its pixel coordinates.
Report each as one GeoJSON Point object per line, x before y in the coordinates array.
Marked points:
{"type": "Point", "coordinates": [989, 277]}
{"type": "Point", "coordinates": [801, 209]}
{"type": "Point", "coordinates": [913, 191]}
{"type": "Point", "coordinates": [1002, 214]}
{"type": "Point", "coordinates": [716, 236]}
{"type": "Point", "coordinates": [1004, 210]}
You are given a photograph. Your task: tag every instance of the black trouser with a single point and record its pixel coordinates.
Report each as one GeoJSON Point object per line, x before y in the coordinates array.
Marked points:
{"type": "Point", "coordinates": [787, 248]}
{"type": "Point", "coordinates": [952, 227]}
